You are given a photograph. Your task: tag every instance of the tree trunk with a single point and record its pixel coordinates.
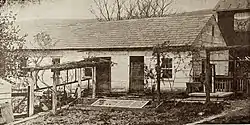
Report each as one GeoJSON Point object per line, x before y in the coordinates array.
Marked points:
{"type": "Point", "coordinates": [158, 73]}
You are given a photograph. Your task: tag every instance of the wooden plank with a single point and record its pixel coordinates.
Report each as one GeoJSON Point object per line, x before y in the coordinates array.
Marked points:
{"type": "Point", "coordinates": [18, 94]}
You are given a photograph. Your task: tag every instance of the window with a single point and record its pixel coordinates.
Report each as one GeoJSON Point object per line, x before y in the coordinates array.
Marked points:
{"type": "Point", "coordinates": [56, 61]}
{"type": "Point", "coordinates": [88, 72]}
{"type": "Point", "coordinates": [167, 68]}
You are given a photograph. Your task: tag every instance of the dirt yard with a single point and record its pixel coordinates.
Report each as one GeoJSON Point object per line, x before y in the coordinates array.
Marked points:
{"type": "Point", "coordinates": [169, 113]}
{"type": "Point", "coordinates": [238, 117]}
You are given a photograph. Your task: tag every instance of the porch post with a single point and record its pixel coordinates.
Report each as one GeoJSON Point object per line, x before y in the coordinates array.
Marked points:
{"type": "Point", "coordinates": [93, 82]}
{"type": "Point", "coordinates": [234, 73]}
{"type": "Point", "coordinates": [208, 78]}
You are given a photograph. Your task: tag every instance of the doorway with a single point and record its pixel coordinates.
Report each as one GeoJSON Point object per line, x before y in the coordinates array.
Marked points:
{"type": "Point", "coordinates": [103, 77]}
{"type": "Point", "coordinates": [136, 81]}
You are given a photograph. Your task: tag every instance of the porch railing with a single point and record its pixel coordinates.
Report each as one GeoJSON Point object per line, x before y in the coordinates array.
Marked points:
{"type": "Point", "coordinates": [225, 84]}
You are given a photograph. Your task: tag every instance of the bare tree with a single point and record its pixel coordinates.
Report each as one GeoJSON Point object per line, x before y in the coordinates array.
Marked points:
{"type": "Point", "coordinates": [107, 10]}
{"type": "Point", "coordinates": [42, 41]}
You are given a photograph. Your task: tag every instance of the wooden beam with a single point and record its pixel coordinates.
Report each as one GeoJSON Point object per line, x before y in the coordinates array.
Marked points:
{"type": "Point", "coordinates": [236, 47]}
{"type": "Point", "coordinates": [93, 82]}
{"type": "Point", "coordinates": [61, 84]}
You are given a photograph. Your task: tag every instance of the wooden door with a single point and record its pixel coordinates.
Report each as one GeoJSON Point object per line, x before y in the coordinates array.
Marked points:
{"type": "Point", "coordinates": [103, 77]}
{"type": "Point", "coordinates": [136, 82]}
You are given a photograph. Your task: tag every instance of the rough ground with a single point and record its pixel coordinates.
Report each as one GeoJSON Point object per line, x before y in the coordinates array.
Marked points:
{"type": "Point", "coordinates": [238, 117]}
{"type": "Point", "coordinates": [169, 113]}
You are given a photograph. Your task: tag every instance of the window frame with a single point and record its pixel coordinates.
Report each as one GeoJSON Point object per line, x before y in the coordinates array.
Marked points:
{"type": "Point", "coordinates": [165, 66]}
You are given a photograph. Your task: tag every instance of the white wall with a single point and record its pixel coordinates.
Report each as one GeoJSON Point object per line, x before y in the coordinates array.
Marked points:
{"type": "Point", "coordinates": [120, 71]}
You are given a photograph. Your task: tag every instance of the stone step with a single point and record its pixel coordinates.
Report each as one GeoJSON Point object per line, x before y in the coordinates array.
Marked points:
{"type": "Point", "coordinates": [204, 99]}
{"type": "Point", "coordinates": [212, 95]}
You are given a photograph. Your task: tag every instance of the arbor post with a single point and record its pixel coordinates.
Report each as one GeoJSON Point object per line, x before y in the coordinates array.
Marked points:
{"type": "Point", "coordinates": [54, 91]}
{"type": "Point", "coordinates": [31, 95]}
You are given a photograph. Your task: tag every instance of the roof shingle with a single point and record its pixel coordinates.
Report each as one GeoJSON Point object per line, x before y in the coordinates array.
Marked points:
{"type": "Point", "coordinates": [232, 5]}
{"type": "Point", "coordinates": [77, 34]}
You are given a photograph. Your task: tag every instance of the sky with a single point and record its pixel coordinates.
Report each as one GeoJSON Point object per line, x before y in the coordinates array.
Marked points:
{"type": "Point", "coordinates": [72, 9]}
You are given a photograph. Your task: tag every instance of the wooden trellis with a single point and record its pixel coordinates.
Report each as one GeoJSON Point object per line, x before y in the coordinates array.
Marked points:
{"type": "Point", "coordinates": [88, 62]}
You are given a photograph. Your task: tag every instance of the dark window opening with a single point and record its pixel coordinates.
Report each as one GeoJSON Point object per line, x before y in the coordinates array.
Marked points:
{"type": "Point", "coordinates": [167, 68]}
{"type": "Point", "coordinates": [213, 31]}
{"type": "Point", "coordinates": [88, 72]}
{"type": "Point", "coordinates": [24, 61]}
{"type": "Point", "coordinates": [56, 61]}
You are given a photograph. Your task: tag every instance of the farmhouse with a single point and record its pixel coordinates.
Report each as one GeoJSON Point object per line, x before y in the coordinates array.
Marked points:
{"type": "Point", "coordinates": [129, 45]}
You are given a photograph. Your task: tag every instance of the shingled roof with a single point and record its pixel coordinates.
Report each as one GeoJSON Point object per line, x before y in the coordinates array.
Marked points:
{"type": "Point", "coordinates": [77, 34]}
{"type": "Point", "coordinates": [232, 5]}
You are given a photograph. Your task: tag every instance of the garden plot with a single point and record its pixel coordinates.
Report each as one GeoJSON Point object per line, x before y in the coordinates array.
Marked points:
{"type": "Point", "coordinates": [120, 103]}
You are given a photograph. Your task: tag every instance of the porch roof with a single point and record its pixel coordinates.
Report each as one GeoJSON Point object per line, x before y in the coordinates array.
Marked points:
{"type": "Point", "coordinates": [88, 62]}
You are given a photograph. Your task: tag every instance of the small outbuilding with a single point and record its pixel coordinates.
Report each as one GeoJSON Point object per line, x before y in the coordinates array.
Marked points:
{"type": "Point", "coordinates": [6, 112]}
{"type": "Point", "coordinates": [5, 91]}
